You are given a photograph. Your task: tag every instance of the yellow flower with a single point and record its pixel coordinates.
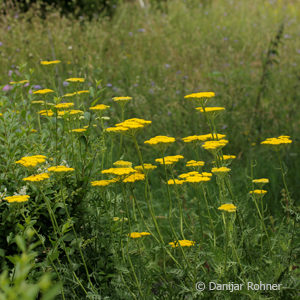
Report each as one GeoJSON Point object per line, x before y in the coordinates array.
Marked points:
{"type": "Point", "coordinates": [122, 164]}
{"type": "Point", "coordinates": [38, 177]}
{"type": "Point", "coordinates": [228, 207]}
{"type": "Point", "coordinates": [145, 233]}
{"type": "Point", "coordinates": [38, 102]}
{"type": "Point", "coordinates": [220, 170]}
{"type": "Point", "coordinates": [182, 243]}
{"type": "Point", "coordinates": [79, 130]}
{"type": "Point", "coordinates": [31, 161]}
{"type": "Point", "coordinates": [169, 160]}
{"type": "Point", "coordinates": [75, 112]}
{"type": "Point", "coordinates": [43, 91]}
{"type": "Point", "coordinates": [281, 140]}
{"type": "Point", "coordinates": [62, 113]}
{"type": "Point", "coordinates": [160, 139]}
{"type": "Point", "coordinates": [1, 114]}
{"type": "Point", "coordinates": [147, 167]}
{"type": "Point", "coordinates": [119, 171]}
{"type": "Point", "coordinates": [64, 105]}
{"type": "Point", "coordinates": [76, 93]}
{"type": "Point", "coordinates": [185, 175]}
{"type": "Point", "coordinates": [82, 92]}
{"type": "Point", "coordinates": [258, 192]}
{"type": "Point", "coordinates": [122, 99]}
{"type": "Point", "coordinates": [60, 169]}
{"type": "Point", "coordinates": [19, 82]}
{"type": "Point", "coordinates": [100, 107]}
{"type": "Point", "coordinates": [210, 109]}
{"type": "Point", "coordinates": [46, 62]}
{"type": "Point", "coordinates": [197, 179]}
{"type": "Point", "coordinates": [200, 95]}
{"type": "Point", "coordinates": [175, 181]}
{"type": "Point", "coordinates": [203, 137]}
{"type": "Point", "coordinates": [261, 180]}
{"type": "Point", "coordinates": [101, 182]}
{"type": "Point", "coordinates": [135, 235]}
{"type": "Point", "coordinates": [205, 174]}
{"type": "Point", "coordinates": [130, 125]}
{"type": "Point", "coordinates": [45, 112]}
{"type": "Point", "coordinates": [194, 163]}
{"type": "Point", "coordinates": [33, 130]}
{"type": "Point", "coordinates": [134, 177]}
{"type": "Point", "coordinates": [118, 129]}
{"type": "Point", "coordinates": [17, 198]}
{"type": "Point", "coordinates": [75, 79]}
{"type": "Point", "coordinates": [227, 157]}
{"type": "Point", "coordinates": [214, 145]}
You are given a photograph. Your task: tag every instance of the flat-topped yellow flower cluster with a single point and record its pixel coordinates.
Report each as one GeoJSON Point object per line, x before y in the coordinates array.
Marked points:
{"type": "Point", "coordinates": [130, 126]}
{"type": "Point", "coordinates": [203, 137]}
{"type": "Point", "coordinates": [17, 198]}
{"type": "Point", "coordinates": [31, 161]}
{"type": "Point", "coordinates": [38, 177]}
{"type": "Point", "coordinates": [281, 140]}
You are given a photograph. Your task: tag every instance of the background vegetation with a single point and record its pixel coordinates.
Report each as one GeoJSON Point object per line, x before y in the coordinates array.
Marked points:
{"type": "Point", "coordinates": [248, 53]}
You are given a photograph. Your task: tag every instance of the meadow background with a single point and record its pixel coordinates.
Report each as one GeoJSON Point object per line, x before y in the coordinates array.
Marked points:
{"type": "Point", "coordinates": [247, 52]}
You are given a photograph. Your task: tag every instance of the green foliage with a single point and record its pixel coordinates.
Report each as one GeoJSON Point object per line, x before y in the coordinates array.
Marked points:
{"type": "Point", "coordinates": [79, 232]}
{"type": "Point", "coordinates": [16, 284]}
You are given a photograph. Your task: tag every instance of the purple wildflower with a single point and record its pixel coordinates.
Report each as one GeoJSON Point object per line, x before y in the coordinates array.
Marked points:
{"type": "Point", "coordinates": [7, 88]}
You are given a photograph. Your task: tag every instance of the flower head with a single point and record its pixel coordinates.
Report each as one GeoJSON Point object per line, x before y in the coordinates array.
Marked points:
{"type": "Point", "coordinates": [136, 235]}
{"type": "Point", "coordinates": [281, 140]}
{"type": "Point", "coordinates": [64, 105]}
{"type": "Point", "coordinates": [31, 161]}
{"type": "Point", "coordinates": [197, 178]}
{"type": "Point", "coordinates": [228, 157]}
{"type": "Point", "coordinates": [75, 79]}
{"type": "Point", "coordinates": [134, 177]}
{"type": "Point", "coordinates": [194, 163]}
{"type": "Point", "coordinates": [38, 102]}
{"type": "Point", "coordinates": [38, 177]}
{"type": "Point", "coordinates": [200, 95]}
{"type": "Point", "coordinates": [175, 181]}
{"type": "Point", "coordinates": [122, 99]}
{"type": "Point", "coordinates": [214, 145]}
{"type": "Point", "coordinates": [210, 109]}
{"type": "Point", "coordinates": [17, 198]}
{"type": "Point", "coordinates": [169, 160]}
{"type": "Point", "coordinates": [43, 91]}
{"type": "Point", "coordinates": [60, 169]}
{"type": "Point", "coordinates": [228, 207]}
{"type": "Point", "coordinates": [46, 112]}
{"type": "Point", "coordinates": [182, 243]}
{"type": "Point", "coordinates": [79, 130]}
{"type": "Point", "coordinates": [147, 167]}
{"type": "Point", "coordinates": [19, 82]}
{"type": "Point", "coordinates": [130, 126]}
{"type": "Point", "coordinates": [119, 171]}
{"type": "Point", "coordinates": [73, 112]}
{"type": "Point", "coordinates": [122, 164]}
{"type": "Point", "coordinates": [100, 107]}
{"type": "Point", "coordinates": [258, 192]}
{"type": "Point", "coordinates": [47, 62]}
{"type": "Point", "coordinates": [261, 181]}
{"type": "Point", "coordinates": [220, 171]}
{"type": "Point", "coordinates": [160, 139]}
{"type": "Point", "coordinates": [102, 183]}
{"type": "Point", "coordinates": [203, 137]}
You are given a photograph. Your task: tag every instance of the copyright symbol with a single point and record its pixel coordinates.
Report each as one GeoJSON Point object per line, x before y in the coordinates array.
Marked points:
{"type": "Point", "coordinates": [200, 286]}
